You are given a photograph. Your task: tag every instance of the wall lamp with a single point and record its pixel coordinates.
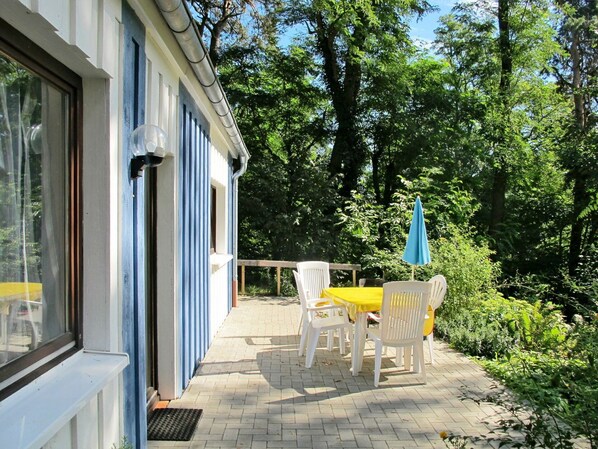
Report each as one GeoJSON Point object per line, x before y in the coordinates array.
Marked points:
{"type": "Point", "coordinates": [148, 143]}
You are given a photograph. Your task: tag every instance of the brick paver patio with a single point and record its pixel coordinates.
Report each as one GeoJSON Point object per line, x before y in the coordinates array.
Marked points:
{"type": "Point", "coordinates": [256, 393]}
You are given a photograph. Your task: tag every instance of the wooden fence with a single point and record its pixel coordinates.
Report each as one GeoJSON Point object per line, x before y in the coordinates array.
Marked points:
{"type": "Point", "coordinates": [280, 264]}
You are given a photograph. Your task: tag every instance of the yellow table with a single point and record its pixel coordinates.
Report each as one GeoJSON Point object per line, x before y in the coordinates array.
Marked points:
{"type": "Point", "coordinates": [359, 301]}
{"type": "Point", "coordinates": [15, 291]}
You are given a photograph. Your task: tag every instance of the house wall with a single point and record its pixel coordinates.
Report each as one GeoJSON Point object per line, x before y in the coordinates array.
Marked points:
{"type": "Point", "coordinates": [85, 36]}
{"type": "Point", "coordinates": [166, 66]}
{"type": "Point", "coordinates": [88, 37]}
{"type": "Point", "coordinates": [221, 280]}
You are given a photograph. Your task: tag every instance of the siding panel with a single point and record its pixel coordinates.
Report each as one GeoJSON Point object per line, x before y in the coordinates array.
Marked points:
{"type": "Point", "coordinates": [194, 235]}
{"type": "Point", "coordinates": [133, 234]}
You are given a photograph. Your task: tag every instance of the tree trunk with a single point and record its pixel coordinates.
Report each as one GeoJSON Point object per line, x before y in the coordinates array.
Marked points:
{"type": "Point", "coordinates": [348, 152]}
{"type": "Point", "coordinates": [575, 243]}
{"type": "Point", "coordinates": [579, 185]}
{"type": "Point", "coordinates": [499, 189]}
{"type": "Point", "coordinates": [500, 177]}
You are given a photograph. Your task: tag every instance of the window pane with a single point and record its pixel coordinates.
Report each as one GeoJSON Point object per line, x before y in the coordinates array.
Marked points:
{"type": "Point", "coordinates": [33, 205]}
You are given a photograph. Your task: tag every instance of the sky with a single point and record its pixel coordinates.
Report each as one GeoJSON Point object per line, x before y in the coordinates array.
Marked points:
{"type": "Point", "coordinates": [424, 28]}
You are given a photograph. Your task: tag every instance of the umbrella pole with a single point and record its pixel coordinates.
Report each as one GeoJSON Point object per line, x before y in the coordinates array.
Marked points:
{"type": "Point", "coordinates": [412, 272]}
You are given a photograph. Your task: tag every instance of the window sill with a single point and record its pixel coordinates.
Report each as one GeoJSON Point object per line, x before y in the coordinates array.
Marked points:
{"type": "Point", "coordinates": [219, 260]}
{"type": "Point", "coordinates": [35, 413]}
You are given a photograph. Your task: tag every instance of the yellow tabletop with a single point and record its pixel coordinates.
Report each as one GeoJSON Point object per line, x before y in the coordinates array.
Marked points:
{"type": "Point", "coordinates": [30, 291]}
{"type": "Point", "coordinates": [366, 299]}
{"type": "Point", "coordinates": [356, 299]}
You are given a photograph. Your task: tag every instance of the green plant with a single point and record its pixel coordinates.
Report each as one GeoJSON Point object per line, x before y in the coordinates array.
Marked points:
{"type": "Point", "coordinates": [124, 444]}
{"type": "Point", "coordinates": [466, 265]}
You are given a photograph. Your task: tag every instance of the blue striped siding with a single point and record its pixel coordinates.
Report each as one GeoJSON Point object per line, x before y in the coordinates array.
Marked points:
{"type": "Point", "coordinates": [194, 236]}
{"type": "Point", "coordinates": [133, 234]}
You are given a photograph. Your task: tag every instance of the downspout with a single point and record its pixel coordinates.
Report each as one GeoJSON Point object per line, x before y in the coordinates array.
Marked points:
{"type": "Point", "coordinates": [236, 176]}
{"type": "Point", "coordinates": [179, 20]}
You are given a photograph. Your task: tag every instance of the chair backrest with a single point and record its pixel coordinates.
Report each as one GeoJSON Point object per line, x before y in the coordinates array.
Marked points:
{"type": "Point", "coordinates": [404, 305]}
{"type": "Point", "coordinates": [301, 293]}
{"type": "Point", "coordinates": [315, 277]}
{"type": "Point", "coordinates": [438, 290]}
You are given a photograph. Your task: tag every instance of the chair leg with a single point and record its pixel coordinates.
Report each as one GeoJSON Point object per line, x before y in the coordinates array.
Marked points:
{"type": "Point", "coordinates": [303, 339]}
{"type": "Point", "coordinates": [312, 344]}
{"type": "Point", "coordinates": [430, 339]}
{"type": "Point", "coordinates": [350, 338]}
{"type": "Point", "coordinates": [398, 356]}
{"type": "Point", "coordinates": [417, 357]}
{"type": "Point", "coordinates": [419, 349]}
{"type": "Point", "coordinates": [407, 358]}
{"type": "Point", "coordinates": [378, 362]}
{"type": "Point", "coordinates": [341, 340]}
{"type": "Point", "coordinates": [330, 341]}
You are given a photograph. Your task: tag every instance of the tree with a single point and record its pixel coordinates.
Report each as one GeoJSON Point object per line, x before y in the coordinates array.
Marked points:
{"type": "Point", "coordinates": [344, 34]}
{"type": "Point", "coordinates": [578, 78]}
{"type": "Point", "coordinates": [284, 118]}
{"type": "Point", "coordinates": [223, 22]}
{"type": "Point", "coordinates": [500, 59]}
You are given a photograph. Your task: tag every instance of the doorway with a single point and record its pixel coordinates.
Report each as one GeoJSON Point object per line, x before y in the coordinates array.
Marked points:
{"type": "Point", "coordinates": [151, 326]}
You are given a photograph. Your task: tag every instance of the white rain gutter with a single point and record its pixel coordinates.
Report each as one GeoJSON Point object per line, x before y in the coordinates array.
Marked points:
{"type": "Point", "coordinates": [182, 25]}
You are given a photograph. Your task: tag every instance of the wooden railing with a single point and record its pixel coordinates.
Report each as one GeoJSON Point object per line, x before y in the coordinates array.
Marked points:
{"type": "Point", "coordinates": [280, 264]}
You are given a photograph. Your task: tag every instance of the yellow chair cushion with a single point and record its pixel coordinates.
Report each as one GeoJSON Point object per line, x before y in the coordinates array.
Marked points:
{"type": "Point", "coordinates": [429, 323]}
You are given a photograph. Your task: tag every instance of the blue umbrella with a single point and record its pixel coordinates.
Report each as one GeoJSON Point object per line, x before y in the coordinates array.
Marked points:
{"type": "Point", "coordinates": [416, 250]}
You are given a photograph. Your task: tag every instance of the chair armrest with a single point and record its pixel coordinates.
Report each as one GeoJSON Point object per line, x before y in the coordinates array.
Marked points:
{"type": "Point", "coordinates": [315, 301]}
{"type": "Point", "coordinates": [326, 307]}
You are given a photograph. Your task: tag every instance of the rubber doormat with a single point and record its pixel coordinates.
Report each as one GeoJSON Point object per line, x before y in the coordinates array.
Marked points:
{"type": "Point", "coordinates": [172, 424]}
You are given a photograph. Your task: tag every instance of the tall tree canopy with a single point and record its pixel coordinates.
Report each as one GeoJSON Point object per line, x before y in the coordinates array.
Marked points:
{"type": "Point", "coordinates": [347, 120]}
{"type": "Point", "coordinates": [344, 35]}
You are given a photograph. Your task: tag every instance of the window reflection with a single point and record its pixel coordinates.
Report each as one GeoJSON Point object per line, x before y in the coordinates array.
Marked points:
{"type": "Point", "coordinates": [33, 205]}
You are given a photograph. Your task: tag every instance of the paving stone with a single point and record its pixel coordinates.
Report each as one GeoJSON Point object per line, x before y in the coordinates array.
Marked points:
{"type": "Point", "coordinates": [256, 392]}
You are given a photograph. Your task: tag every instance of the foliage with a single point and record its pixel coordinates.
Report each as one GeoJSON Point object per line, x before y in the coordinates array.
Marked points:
{"type": "Point", "coordinates": [495, 128]}
{"type": "Point", "coordinates": [467, 267]}
{"type": "Point", "coordinates": [285, 122]}
{"type": "Point", "coordinates": [524, 426]}
{"type": "Point", "coordinates": [124, 444]}
{"type": "Point", "coordinates": [496, 325]}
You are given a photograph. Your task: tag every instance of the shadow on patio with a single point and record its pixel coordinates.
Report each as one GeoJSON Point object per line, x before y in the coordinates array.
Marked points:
{"type": "Point", "coordinates": [256, 392]}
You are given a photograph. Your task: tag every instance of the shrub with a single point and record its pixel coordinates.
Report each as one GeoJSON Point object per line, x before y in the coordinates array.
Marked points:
{"type": "Point", "coordinates": [467, 267]}
{"type": "Point", "coordinates": [496, 325]}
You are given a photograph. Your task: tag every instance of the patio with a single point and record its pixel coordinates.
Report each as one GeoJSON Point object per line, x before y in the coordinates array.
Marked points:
{"type": "Point", "coordinates": [256, 393]}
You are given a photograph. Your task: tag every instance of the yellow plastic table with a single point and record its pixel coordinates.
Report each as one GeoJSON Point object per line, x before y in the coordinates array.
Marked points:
{"type": "Point", "coordinates": [11, 292]}
{"type": "Point", "coordinates": [359, 301]}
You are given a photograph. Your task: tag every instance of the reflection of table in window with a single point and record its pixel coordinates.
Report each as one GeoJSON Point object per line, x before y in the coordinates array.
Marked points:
{"type": "Point", "coordinates": [12, 294]}
{"type": "Point", "coordinates": [358, 301]}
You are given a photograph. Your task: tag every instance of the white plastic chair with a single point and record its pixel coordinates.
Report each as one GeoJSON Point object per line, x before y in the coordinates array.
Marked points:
{"type": "Point", "coordinates": [404, 305]}
{"type": "Point", "coordinates": [314, 324]}
{"type": "Point", "coordinates": [436, 298]}
{"type": "Point", "coordinates": [24, 325]}
{"type": "Point", "coordinates": [315, 276]}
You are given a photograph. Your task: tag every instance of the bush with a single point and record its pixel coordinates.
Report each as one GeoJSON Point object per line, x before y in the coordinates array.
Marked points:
{"type": "Point", "coordinates": [496, 325]}
{"type": "Point", "coordinates": [470, 273]}
{"type": "Point", "coordinates": [471, 333]}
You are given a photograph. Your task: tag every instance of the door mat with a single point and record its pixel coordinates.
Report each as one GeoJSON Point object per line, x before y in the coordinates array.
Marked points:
{"type": "Point", "coordinates": [172, 424]}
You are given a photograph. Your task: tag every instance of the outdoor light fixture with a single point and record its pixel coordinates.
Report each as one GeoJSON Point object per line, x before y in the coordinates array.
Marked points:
{"type": "Point", "coordinates": [148, 143]}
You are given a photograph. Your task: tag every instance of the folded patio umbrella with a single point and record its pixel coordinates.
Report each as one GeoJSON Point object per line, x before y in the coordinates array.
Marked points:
{"type": "Point", "coordinates": [416, 249]}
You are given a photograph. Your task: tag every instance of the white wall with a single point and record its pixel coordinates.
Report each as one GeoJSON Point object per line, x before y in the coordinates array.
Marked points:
{"type": "Point", "coordinates": [220, 283]}
{"type": "Point", "coordinates": [85, 36]}
{"type": "Point", "coordinates": [162, 109]}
